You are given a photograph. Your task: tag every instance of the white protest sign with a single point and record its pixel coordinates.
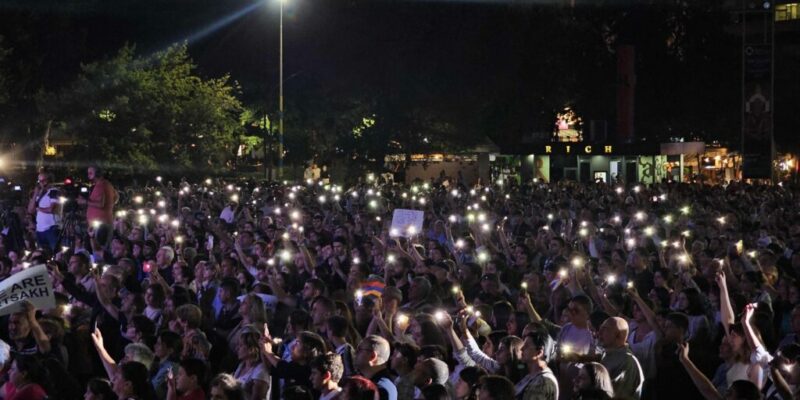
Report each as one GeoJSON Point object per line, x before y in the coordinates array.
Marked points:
{"type": "Point", "coordinates": [31, 284]}
{"type": "Point", "coordinates": [406, 223]}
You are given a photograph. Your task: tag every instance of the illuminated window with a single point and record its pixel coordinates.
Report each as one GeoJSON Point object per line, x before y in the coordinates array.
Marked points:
{"type": "Point", "coordinates": [787, 12]}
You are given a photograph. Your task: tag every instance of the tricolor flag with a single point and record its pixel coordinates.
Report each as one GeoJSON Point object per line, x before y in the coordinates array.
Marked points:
{"type": "Point", "coordinates": [373, 288]}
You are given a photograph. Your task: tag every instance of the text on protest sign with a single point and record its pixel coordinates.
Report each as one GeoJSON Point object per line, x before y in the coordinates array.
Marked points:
{"type": "Point", "coordinates": [31, 284]}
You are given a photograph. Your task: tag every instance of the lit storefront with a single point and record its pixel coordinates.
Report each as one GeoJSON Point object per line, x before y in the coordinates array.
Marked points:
{"type": "Point", "coordinates": [586, 162]}
{"type": "Point", "coordinates": [632, 163]}
{"type": "Point", "coordinates": [470, 167]}
{"type": "Point", "coordinates": [698, 161]}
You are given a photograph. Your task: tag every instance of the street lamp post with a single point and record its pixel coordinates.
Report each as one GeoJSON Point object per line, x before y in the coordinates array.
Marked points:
{"type": "Point", "coordinates": [280, 98]}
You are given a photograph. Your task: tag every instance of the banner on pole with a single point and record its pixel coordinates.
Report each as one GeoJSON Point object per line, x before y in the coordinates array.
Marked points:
{"type": "Point", "coordinates": [31, 284]}
{"type": "Point", "coordinates": [757, 109]}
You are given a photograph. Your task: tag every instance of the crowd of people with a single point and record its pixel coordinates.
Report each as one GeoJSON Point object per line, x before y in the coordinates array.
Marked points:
{"type": "Point", "coordinates": [244, 290]}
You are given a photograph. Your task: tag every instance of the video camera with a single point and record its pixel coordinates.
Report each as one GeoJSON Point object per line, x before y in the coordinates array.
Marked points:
{"type": "Point", "coordinates": [10, 194]}
{"type": "Point", "coordinates": [69, 192]}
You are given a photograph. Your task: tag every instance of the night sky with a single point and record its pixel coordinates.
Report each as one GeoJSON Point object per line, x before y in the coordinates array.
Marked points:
{"type": "Point", "coordinates": [467, 59]}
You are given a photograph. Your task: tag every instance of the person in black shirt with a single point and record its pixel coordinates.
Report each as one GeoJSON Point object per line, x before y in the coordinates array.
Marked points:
{"type": "Point", "coordinates": [672, 380]}
{"type": "Point", "coordinates": [298, 371]}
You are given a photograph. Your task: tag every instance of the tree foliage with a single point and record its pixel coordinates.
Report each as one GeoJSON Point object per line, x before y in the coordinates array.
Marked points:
{"type": "Point", "coordinates": [134, 112]}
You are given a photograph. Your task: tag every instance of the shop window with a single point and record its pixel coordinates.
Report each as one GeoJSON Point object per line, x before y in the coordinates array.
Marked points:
{"type": "Point", "coordinates": [787, 12]}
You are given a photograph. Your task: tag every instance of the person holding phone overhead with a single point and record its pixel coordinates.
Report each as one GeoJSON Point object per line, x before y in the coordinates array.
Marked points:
{"type": "Point", "coordinates": [45, 205]}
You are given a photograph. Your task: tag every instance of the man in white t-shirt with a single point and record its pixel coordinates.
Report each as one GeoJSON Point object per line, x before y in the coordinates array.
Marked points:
{"type": "Point", "coordinates": [45, 204]}
{"type": "Point", "coordinates": [228, 213]}
{"type": "Point", "coordinates": [574, 340]}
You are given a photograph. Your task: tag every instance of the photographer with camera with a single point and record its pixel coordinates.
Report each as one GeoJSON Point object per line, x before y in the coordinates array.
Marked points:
{"type": "Point", "coordinates": [100, 206]}
{"type": "Point", "coordinates": [45, 205]}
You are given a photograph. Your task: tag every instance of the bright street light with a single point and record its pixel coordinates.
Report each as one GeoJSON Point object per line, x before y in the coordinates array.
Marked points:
{"type": "Point", "coordinates": [280, 97]}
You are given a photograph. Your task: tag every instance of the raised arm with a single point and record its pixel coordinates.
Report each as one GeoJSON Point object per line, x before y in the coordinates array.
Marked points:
{"type": "Point", "coordinates": [42, 340]}
{"type": "Point", "coordinates": [749, 332]}
{"type": "Point", "coordinates": [781, 385]}
{"type": "Point", "coordinates": [477, 355]}
{"type": "Point", "coordinates": [155, 275]}
{"type": "Point", "coordinates": [501, 236]}
{"type": "Point", "coordinates": [378, 323]}
{"type": "Point", "coordinates": [459, 350]}
{"type": "Point", "coordinates": [649, 315]}
{"type": "Point", "coordinates": [524, 303]}
{"type": "Point", "coordinates": [448, 327]}
{"type": "Point", "coordinates": [726, 310]}
{"type": "Point", "coordinates": [307, 257]}
{"type": "Point", "coordinates": [269, 358]}
{"type": "Point", "coordinates": [108, 363]}
{"type": "Point", "coordinates": [32, 202]}
{"type": "Point", "coordinates": [108, 305]}
{"type": "Point", "coordinates": [279, 292]}
{"type": "Point", "coordinates": [702, 383]}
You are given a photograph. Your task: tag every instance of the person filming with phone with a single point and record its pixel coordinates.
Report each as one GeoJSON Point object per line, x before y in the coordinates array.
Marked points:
{"type": "Point", "coordinates": [45, 205]}
{"type": "Point", "coordinates": [100, 206]}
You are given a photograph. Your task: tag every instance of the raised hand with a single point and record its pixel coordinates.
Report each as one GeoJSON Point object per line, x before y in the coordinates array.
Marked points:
{"type": "Point", "coordinates": [29, 310]}
{"type": "Point", "coordinates": [170, 380]}
{"type": "Point", "coordinates": [376, 312]}
{"type": "Point", "coordinates": [97, 337]}
{"type": "Point", "coordinates": [524, 300]}
{"type": "Point", "coordinates": [266, 332]}
{"type": "Point", "coordinates": [683, 351]}
{"type": "Point", "coordinates": [266, 345]}
{"type": "Point", "coordinates": [445, 320]}
{"type": "Point", "coordinates": [631, 289]}
{"type": "Point", "coordinates": [720, 279]}
{"type": "Point", "coordinates": [55, 272]}
{"type": "Point", "coordinates": [749, 310]}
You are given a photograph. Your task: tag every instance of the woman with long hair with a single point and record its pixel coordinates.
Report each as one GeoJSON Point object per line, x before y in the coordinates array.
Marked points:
{"type": "Point", "coordinates": [690, 302]}
{"type": "Point", "coordinates": [352, 333]}
{"type": "Point", "coordinates": [226, 387]}
{"type": "Point", "coordinates": [251, 372]}
{"type": "Point", "coordinates": [742, 339]}
{"type": "Point", "coordinates": [593, 378]}
{"type": "Point", "coordinates": [130, 382]}
{"type": "Point", "coordinates": [466, 387]}
{"type": "Point", "coordinates": [99, 389]}
{"type": "Point", "coordinates": [741, 368]}
{"type": "Point", "coordinates": [501, 312]}
{"type": "Point", "coordinates": [507, 357]}
{"type": "Point", "coordinates": [517, 322]}
{"type": "Point", "coordinates": [425, 331]}
{"type": "Point", "coordinates": [253, 313]}
{"type": "Point", "coordinates": [28, 379]}
{"type": "Point", "coordinates": [154, 298]}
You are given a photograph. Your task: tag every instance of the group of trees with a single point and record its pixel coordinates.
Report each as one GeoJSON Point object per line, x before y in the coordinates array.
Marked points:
{"type": "Point", "coordinates": [385, 78]}
{"type": "Point", "coordinates": [146, 111]}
